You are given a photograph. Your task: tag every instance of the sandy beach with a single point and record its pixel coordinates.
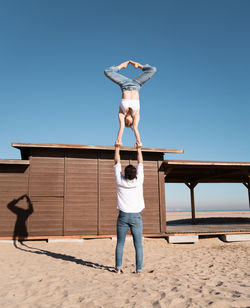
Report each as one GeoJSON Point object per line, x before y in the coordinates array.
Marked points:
{"type": "Point", "coordinates": [210, 273]}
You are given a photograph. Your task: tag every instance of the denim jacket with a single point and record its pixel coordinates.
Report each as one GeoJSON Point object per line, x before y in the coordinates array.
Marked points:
{"type": "Point", "coordinates": [126, 83]}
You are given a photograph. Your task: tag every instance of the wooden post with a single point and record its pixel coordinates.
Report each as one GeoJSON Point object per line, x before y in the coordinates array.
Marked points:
{"type": "Point", "coordinates": [162, 203]}
{"type": "Point", "coordinates": [64, 196]}
{"type": "Point", "coordinates": [248, 191]}
{"type": "Point", "coordinates": [98, 194]}
{"type": "Point", "coordinates": [192, 203]}
{"type": "Point", "coordinates": [191, 186]}
{"type": "Point", "coordinates": [247, 184]}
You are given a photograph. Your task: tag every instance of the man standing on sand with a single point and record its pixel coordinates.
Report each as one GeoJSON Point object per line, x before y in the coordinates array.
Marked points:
{"type": "Point", "coordinates": [130, 203]}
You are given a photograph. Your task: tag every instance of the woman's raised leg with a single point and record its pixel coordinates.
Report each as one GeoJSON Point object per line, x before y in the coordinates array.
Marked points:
{"type": "Point", "coordinates": [112, 74]}
{"type": "Point", "coordinates": [147, 72]}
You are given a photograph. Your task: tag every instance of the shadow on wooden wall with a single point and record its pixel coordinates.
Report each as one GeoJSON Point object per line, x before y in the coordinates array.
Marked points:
{"type": "Point", "coordinates": [20, 230]}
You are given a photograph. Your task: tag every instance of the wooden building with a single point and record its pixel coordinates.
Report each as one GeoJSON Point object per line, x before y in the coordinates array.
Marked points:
{"type": "Point", "coordinates": [69, 190]}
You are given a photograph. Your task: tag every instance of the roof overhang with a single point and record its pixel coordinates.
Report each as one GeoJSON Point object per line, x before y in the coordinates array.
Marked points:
{"type": "Point", "coordinates": [14, 162]}
{"type": "Point", "coordinates": [188, 171]}
{"type": "Point", "coordinates": [26, 147]}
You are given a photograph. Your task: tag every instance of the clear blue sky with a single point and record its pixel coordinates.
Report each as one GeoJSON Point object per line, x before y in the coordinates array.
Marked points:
{"type": "Point", "coordinates": [53, 90]}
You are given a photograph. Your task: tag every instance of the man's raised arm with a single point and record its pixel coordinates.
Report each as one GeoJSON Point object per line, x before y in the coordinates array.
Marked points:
{"type": "Point", "coordinates": [117, 154]}
{"type": "Point", "coordinates": [139, 154]}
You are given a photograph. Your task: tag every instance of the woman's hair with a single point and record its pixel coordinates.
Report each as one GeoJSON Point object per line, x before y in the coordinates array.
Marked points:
{"type": "Point", "coordinates": [130, 172]}
{"type": "Point", "coordinates": [131, 125]}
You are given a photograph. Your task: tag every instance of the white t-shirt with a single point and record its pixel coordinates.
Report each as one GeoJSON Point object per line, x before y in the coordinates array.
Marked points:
{"type": "Point", "coordinates": [129, 192]}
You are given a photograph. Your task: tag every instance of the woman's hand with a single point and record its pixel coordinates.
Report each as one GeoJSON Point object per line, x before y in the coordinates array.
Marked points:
{"type": "Point", "coordinates": [118, 143]}
{"type": "Point", "coordinates": [136, 64]}
{"type": "Point", "coordinates": [138, 145]}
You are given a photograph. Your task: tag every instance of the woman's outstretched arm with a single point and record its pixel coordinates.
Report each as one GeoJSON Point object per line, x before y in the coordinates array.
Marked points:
{"type": "Point", "coordinates": [121, 117]}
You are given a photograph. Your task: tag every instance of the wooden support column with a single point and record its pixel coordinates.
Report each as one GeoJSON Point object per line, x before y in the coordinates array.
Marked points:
{"type": "Point", "coordinates": [162, 203]}
{"type": "Point", "coordinates": [98, 194]}
{"type": "Point", "coordinates": [249, 191]}
{"type": "Point", "coordinates": [191, 186]}
{"type": "Point", "coordinates": [247, 184]}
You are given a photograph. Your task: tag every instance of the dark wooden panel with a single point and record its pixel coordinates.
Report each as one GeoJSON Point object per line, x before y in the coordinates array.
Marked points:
{"type": "Point", "coordinates": [81, 194]}
{"type": "Point", "coordinates": [16, 169]}
{"type": "Point", "coordinates": [47, 176]}
{"type": "Point", "coordinates": [47, 218]}
{"type": "Point", "coordinates": [90, 154]}
{"type": "Point", "coordinates": [13, 185]}
{"type": "Point", "coordinates": [43, 152]}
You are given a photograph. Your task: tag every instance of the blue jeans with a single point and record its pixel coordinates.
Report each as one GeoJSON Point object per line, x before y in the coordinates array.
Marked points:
{"type": "Point", "coordinates": [124, 222]}
{"type": "Point", "coordinates": [126, 83]}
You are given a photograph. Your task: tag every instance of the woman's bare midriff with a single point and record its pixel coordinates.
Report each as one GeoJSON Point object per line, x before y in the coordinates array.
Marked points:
{"type": "Point", "coordinates": [130, 94]}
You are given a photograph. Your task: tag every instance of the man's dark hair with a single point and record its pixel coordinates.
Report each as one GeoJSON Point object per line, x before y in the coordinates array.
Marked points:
{"type": "Point", "coordinates": [130, 172]}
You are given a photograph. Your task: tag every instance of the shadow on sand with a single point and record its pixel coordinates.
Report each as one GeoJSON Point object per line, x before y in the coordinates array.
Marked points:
{"type": "Point", "coordinates": [21, 233]}
{"type": "Point", "coordinates": [211, 221]}
{"type": "Point", "coordinates": [64, 257]}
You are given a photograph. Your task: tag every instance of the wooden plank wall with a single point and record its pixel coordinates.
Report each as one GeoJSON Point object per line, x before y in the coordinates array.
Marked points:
{"type": "Point", "coordinates": [151, 214]}
{"type": "Point", "coordinates": [46, 191]}
{"type": "Point", "coordinates": [81, 193]}
{"type": "Point", "coordinates": [13, 185]}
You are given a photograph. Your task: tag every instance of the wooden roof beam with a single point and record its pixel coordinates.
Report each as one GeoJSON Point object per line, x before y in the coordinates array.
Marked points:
{"type": "Point", "coordinates": [14, 162]}
{"type": "Point", "coordinates": [93, 147]}
{"type": "Point", "coordinates": [182, 163]}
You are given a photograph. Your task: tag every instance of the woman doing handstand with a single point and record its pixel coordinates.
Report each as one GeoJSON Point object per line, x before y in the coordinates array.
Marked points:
{"type": "Point", "coordinates": [129, 109]}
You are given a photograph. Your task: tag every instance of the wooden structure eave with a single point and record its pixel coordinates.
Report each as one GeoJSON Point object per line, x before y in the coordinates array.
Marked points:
{"type": "Point", "coordinates": [188, 171]}
{"type": "Point", "coordinates": [25, 148]}
{"type": "Point", "coordinates": [14, 162]}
